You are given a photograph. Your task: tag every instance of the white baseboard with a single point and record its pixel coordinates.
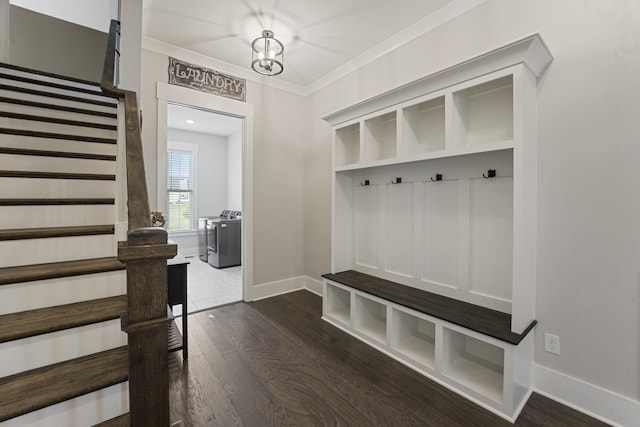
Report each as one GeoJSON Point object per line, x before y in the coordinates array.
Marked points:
{"type": "Point", "coordinates": [597, 402]}
{"type": "Point", "coordinates": [313, 285]}
{"type": "Point", "coordinates": [279, 287]}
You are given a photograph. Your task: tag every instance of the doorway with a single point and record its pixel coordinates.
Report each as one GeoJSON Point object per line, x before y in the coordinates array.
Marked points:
{"type": "Point", "coordinates": [218, 133]}
{"type": "Point", "coordinates": [204, 202]}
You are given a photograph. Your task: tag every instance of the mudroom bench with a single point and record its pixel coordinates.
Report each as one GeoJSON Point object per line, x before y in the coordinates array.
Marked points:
{"type": "Point", "coordinates": [468, 348]}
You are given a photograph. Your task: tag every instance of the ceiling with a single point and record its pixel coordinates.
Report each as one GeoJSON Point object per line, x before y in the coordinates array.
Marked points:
{"type": "Point", "coordinates": [319, 35]}
{"type": "Point", "coordinates": [203, 121]}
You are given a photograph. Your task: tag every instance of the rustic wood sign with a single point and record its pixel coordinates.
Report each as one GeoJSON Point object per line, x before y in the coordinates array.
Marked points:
{"type": "Point", "coordinates": [206, 80]}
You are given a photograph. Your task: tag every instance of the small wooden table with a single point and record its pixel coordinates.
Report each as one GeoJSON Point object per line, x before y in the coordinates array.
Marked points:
{"type": "Point", "coordinates": [177, 294]}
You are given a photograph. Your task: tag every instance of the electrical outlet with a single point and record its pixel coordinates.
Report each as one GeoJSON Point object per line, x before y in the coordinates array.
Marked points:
{"type": "Point", "coordinates": [552, 343]}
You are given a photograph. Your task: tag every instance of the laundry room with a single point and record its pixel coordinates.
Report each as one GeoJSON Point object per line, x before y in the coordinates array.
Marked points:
{"type": "Point", "coordinates": [204, 202]}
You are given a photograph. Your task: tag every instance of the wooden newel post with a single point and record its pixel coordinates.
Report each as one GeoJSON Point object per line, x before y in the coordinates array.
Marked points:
{"type": "Point", "coordinates": [146, 252]}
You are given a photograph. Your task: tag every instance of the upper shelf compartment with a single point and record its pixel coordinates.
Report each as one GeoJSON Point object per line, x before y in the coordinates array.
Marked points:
{"type": "Point", "coordinates": [464, 109]}
{"type": "Point", "coordinates": [483, 113]}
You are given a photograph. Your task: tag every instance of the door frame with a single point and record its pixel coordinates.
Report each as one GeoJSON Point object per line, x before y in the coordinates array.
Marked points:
{"type": "Point", "coordinates": [170, 94]}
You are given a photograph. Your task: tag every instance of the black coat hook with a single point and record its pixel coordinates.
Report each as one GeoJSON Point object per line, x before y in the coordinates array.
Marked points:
{"type": "Point", "coordinates": [365, 183]}
{"type": "Point", "coordinates": [397, 181]}
{"type": "Point", "coordinates": [491, 173]}
{"type": "Point", "coordinates": [438, 177]}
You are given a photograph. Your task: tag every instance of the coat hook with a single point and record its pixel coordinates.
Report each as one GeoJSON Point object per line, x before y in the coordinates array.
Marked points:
{"type": "Point", "coordinates": [397, 181]}
{"type": "Point", "coordinates": [491, 173]}
{"type": "Point", "coordinates": [365, 183]}
{"type": "Point", "coordinates": [438, 177]}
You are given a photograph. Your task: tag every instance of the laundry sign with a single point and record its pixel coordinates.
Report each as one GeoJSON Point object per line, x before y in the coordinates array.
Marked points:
{"type": "Point", "coordinates": [206, 80]}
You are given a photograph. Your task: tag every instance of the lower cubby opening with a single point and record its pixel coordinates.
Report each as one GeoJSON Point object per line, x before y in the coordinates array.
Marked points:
{"type": "Point", "coordinates": [338, 304]}
{"type": "Point", "coordinates": [371, 318]}
{"type": "Point", "coordinates": [413, 337]}
{"type": "Point", "coordinates": [475, 364]}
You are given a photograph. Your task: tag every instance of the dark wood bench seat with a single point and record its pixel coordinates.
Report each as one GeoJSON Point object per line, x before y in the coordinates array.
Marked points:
{"type": "Point", "coordinates": [486, 321]}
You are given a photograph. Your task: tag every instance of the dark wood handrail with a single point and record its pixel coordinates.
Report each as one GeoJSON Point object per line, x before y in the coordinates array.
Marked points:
{"type": "Point", "coordinates": [145, 252]}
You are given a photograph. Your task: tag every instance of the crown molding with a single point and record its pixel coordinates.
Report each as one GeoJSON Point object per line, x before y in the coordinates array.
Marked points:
{"type": "Point", "coordinates": [530, 51]}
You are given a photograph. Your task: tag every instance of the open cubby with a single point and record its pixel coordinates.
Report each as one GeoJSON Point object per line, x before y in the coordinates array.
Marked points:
{"type": "Point", "coordinates": [338, 304]}
{"type": "Point", "coordinates": [371, 318]}
{"type": "Point", "coordinates": [485, 112]}
{"type": "Point", "coordinates": [380, 137]}
{"type": "Point", "coordinates": [424, 127]}
{"type": "Point", "coordinates": [413, 337]}
{"type": "Point", "coordinates": [348, 145]}
{"type": "Point", "coordinates": [476, 364]}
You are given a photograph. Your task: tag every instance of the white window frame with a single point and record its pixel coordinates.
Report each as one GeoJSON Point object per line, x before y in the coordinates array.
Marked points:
{"type": "Point", "coordinates": [193, 149]}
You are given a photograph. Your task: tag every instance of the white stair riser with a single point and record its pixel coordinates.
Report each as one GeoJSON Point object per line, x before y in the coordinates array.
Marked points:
{"type": "Point", "coordinates": [90, 409]}
{"type": "Point", "coordinates": [56, 164]}
{"type": "Point", "coordinates": [39, 251]}
{"type": "Point", "coordinates": [54, 188]}
{"type": "Point", "coordinates": [42, 350]}
{"type": "Point", "coordinates": [56, 216]}
{"type": "Point", "coordinates": [52, 100]}
{"type": "Point", "coordinates": [25, 296]}
{"type": "Point", "coordinates": [49, 79]}
{"type": "Point", "coordinates": [66, 92]}
{"type": "Point", "coordinates": [35, 126]}
{"type": "Point", "coordinates": [35, 143]}
{"type": "Point", "coordinates": [46, 112]}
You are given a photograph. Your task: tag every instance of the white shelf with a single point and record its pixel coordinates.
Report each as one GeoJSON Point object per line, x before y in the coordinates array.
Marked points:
{"type": "Point", "coordinates": [347, 145]}
{"type": "Point", "coordinates": [484, 112]}
{"type": "Point", "coordinates": [476, 364]}
{"type": "Point", "coordinates": [424, 127]}
{"type": "Point", "coordinates": [414, 338]}
{"type": "Point", "coordinates": [371, 318]}
{"type": "Point", "coordinates": [380, 137]}
{"type": "Point", "coordinates": [338, 304]}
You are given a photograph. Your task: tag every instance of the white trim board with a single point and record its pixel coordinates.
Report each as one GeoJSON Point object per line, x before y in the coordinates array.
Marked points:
{"type": "Point", "coordinates": [604, 405]}
{"type": "Point", "coordinates": [275, 288]}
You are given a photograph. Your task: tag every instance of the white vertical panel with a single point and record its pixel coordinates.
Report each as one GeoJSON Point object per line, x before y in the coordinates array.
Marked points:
{"type": "Point", "coordinates": [399, 229]}
{"type": "Point", "coordinates": [491, 237]}
{"type": "Point", "coordinates": [440, 238]}
{"type": "Point", "coordinates": [366, 217]}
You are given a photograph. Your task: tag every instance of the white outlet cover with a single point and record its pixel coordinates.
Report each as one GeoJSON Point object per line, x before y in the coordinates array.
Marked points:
{"type": "Point", "coordinates": [551, 343]}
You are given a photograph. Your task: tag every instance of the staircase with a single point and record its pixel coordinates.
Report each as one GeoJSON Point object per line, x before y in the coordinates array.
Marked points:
{"type": "Point", "coordinates": [62, 288]}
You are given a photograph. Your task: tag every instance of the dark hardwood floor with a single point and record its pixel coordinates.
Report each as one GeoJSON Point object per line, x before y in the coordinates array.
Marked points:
{"type": "Point", "coordinates": [276, 363]}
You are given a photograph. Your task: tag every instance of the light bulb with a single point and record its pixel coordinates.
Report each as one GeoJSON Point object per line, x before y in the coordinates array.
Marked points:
{"type": "Point", "coordinates": [261, 55]}
{"type": "Point", "coordinates": [272, 54]}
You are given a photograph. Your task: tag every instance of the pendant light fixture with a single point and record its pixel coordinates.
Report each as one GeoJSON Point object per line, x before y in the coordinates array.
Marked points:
{"type": "Point", "coordinates": [267, 56]}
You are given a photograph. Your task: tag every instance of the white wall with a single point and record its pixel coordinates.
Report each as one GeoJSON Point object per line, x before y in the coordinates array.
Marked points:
{"type": "Point", "coordinates": [234, 171]}
{"type": "Point", "coordinates": [588, 289]}
{"type": "Point", "coordinates": [280, 129]}
{"type": "Point", "coordinates": [44, 43]}
{"type": "Point", "coordinates": [94, 14]}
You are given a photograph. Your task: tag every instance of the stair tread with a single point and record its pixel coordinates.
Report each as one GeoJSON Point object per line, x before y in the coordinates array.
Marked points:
{"type": "Point", "coordinates": [38, 388]}
{"type": "Point", "coordinates": [50, 153]}
{"type": "Point", "coordinates": [52, 135]}
{"type": "Point", "coordinates": [97, 91]}
{"type": "Point", "coordinates": [45, 119]}
{"type": "Point", "coordinates": [57, 95]}
{"type": "Point", "coordinates": [56, 175]}
{"type": "Point", "coordinates": [46, 232]}
{"type": "Point", "coordinates": [56, 107]}
{"type": "Point", "coordinates": [56, 201]}
{"type": "Point", "coordinates": [123, 420]}
{"type": "Point", "coordinates": [30, 323]}
{"type": "Point", "coordinates": [53, 270]}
